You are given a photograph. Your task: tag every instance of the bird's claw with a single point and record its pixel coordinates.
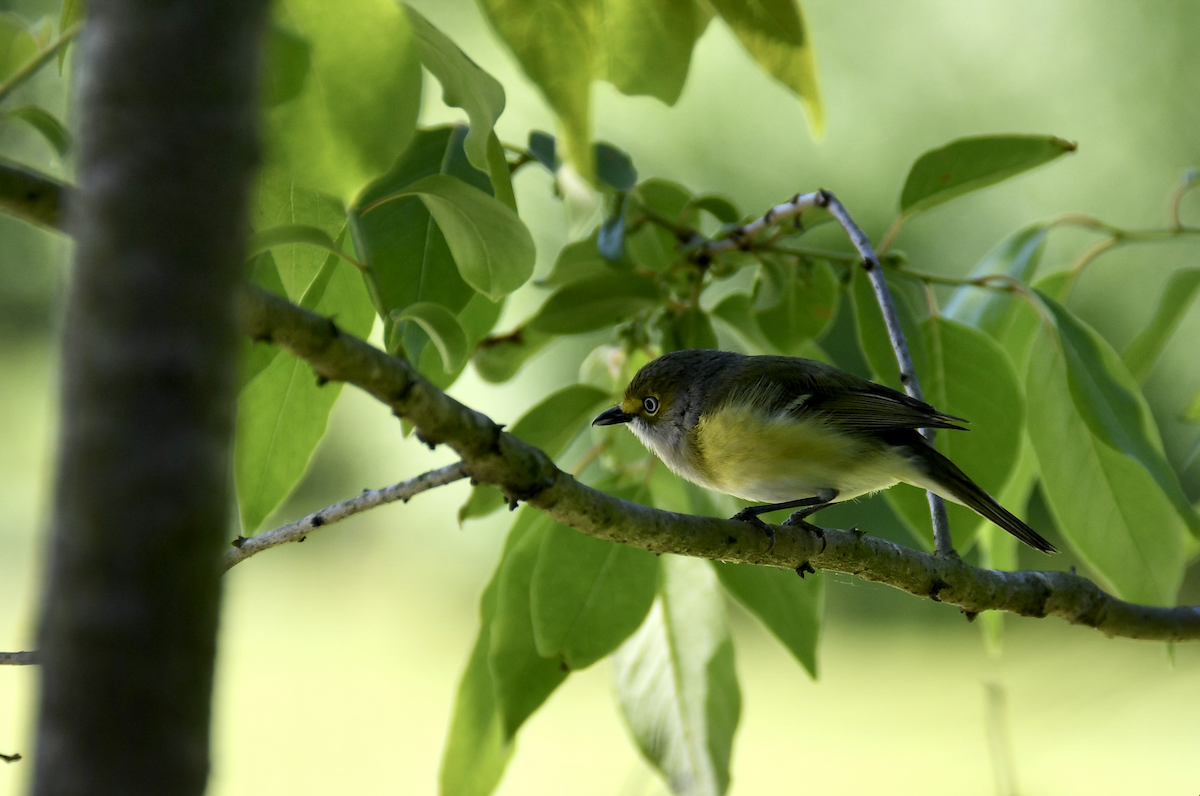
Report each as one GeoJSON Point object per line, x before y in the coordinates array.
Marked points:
{"type": "Point", "coordinates": [750, 517]}
{"type": "Point", "coordinates": [798, 519]}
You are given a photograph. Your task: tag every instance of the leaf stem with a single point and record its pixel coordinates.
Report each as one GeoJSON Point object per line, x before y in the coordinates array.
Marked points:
{"type": "Point", "coordinates": [890, 235]}
{"type": "Point", "coordinates": [1189, 180]}
{"type": "Point", "coordinates": [30, 67]}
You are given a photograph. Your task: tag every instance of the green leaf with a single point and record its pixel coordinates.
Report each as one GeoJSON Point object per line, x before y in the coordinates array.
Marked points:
{"type": "Point", "coordinates": [278, 201]}
{"type": "Point", "coordinates": [476, 751]}
{"type": "Point", "coordinates": [645, 46]}
{"type": "Point", "coordinates": [873, 337]}
{"type": "Point", "coordinates": [579, 260]}
{"type": "Point", "coordinates": [543, 149]}
{"type": "Point", "coordinates": [737, 311]}
{"type": "Point", "coordinates": [256, 356]}
{"type": "Point", "coordinates": [690, 328]}
{"type": "Point", "coordinates": [72, 11]}
{"type": "Point", "coordinates": [497, 359]}
{"type": "Point", "coordinates": [358, 106]}
{"type": "Point", "coordinates": [479, 317]}
{"type": "Point", "coordinates": [610, 236]}
{"type": "Point", "coordinates": [522, 678]}
{"type": "Point", "coordinates": [640, 46]}
{"type": "Point", "coordinates": [1110, 403]}
{"type": "Point", "coordinates": [777, 19]}
{"type": "Point", "coordinates": [476, 319]}
{"type": "Point", "coordinates": [795, 302]}
{"type": "Point", "coordinates": [1143, 350]}
{"type": "Point", "coordinates": [970, 376]}
{"type": "Point", "coordinates": [282, 413]}
{"type": "Point", "coordinates": [1113, 513]}
{"type": "Point", "coordinates": [1192, 413]}
{"type": "Point", "coordinates": [464, 85]}
{"type": "Point", "coordinates": [651, 245]}
{"type": "Point", "coordinates": [1017, 256]}
{"type": "Point", "coordinates": [775, 35]}
{"type": "Point", "coordinates": [720, 207]}
{"type": "Point", "coordinates": [491, 246]}
{"type": "Point", "coordinates": [998, 549]}
{"type": "Point", "coordinates": [47, 125]}
{"type": "Point", "coordinates": [550, 426]}
{"type": "Point", "coordinates": [296, 233]}
{"type": "Point", "coordinates": [555, 43]}
{"type": "Point", "coordinates": [614, 167]}
{"type": "Point", "coordinates": [443, 329]}
{"type": "Point", "coordinates": [676, 682]}
{"type": "Point", "coordinates": [17, 45]}
{"type": "Point", "coordinates": [288, 63]}
{"type": "Point", "coordinates": [558, 418]}
{"type": "Point", "coordinates": [790, 607]}
{"type": "Point", "coordinates": [968, 164]}
{"type": "Point", "coordinates": [588, 595]}
{"type": "Point", "coordinates": [499, 173]}
{"type": "Point", "coordinates": [405, 249]}
{"type": "Point", "coordinates": [595, 303]}
{"type": "Point", "coordinates": [1025, 317]}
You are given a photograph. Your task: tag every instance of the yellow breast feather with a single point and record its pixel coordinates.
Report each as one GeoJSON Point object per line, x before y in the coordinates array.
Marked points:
{"type": "Point", "coordinates": [737, 450]}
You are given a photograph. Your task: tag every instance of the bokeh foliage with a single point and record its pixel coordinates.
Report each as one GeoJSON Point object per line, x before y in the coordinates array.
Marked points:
{"type": "Point", "coordinates": [362, 212]}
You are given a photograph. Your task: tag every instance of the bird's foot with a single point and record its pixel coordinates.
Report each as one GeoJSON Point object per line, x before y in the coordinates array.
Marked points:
{"type": "Point", "coordinates": [799, 519]}
{"type": "Point", "coordinates": [750, 516]}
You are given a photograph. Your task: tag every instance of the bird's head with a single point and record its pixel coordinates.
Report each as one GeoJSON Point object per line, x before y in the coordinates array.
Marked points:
{"type": "Point", "coordinates": [667, 390]}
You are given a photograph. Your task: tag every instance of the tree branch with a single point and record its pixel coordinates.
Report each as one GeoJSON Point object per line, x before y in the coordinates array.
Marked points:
{"type": "Point", "coordinates": [30, 195]}
{"type": "Point", "coordinates": [369, 499]}
{"type": "Point", "coordinates": [737, 238]}
{"type": "Point", "coordinates": [18, 658]}
{"type": "Point", "coordinates": [492, 456]}
{"type": "Point", "coordinates": [942, 542]}
{"type": "Point", "coordinates": [128, 621]}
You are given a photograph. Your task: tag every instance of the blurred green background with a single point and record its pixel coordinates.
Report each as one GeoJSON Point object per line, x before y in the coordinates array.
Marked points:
{"type": "Point", "coordinates": [339, 658]}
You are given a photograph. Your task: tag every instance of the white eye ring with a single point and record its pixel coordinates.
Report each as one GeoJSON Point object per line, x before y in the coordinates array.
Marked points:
{"type": "Point", "coordinates": [650, 404]}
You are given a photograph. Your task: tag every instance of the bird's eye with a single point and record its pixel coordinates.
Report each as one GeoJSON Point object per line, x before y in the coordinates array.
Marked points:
{"type": "Point", "coordinates": [650, 404]}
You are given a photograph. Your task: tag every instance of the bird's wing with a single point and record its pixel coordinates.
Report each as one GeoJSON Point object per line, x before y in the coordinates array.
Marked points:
{"type": "Point", "coordinates": [808, 388]}
{"type": "Point", "coordinates": [876, 411]}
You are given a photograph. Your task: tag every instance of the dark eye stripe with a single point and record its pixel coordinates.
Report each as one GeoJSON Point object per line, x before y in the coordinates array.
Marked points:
{"type": "Point", "coordinates": [650, 404]}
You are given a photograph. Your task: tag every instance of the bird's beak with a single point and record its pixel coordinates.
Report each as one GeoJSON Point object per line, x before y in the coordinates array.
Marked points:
{"type": "Point", "coordinates": [611, 417]}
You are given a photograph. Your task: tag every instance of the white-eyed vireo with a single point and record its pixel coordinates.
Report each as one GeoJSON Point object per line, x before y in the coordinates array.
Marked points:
{"type": "Point", "coordinates": [793, 433]}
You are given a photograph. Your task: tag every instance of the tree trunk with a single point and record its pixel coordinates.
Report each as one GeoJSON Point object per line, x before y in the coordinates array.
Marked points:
{"type": "Point", "coordinates": [167, 118]}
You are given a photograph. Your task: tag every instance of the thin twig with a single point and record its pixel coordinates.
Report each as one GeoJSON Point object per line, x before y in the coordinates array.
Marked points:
{"type": "Point", "coordinates": [369, 499]}
{"type": "Point", "coordinates": [890, 235]}
{"type": "Point", "coordinates": [739, 237]}
{"type": "Point", "coordinates": [18, 658]}
{"type": "Point", "coordinates": [1089, 255]}
{"type": "Point", "coordinates": [1189, 180]}
{"type": "Point", "coordinates": [499, 459]}
{"type": "Point", "coordinates": [1001, 283]}
{"type": "Point", "coordinates": [943, 544]}
{"type": "Point", "coordinates": [10, 758]}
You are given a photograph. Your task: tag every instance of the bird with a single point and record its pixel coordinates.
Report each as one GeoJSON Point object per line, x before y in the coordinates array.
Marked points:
{"type": "Point", "coordinates": [793, 433]}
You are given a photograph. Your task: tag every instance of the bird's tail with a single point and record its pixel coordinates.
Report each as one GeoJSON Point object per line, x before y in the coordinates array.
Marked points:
{"type": "Point", "coordinates": [945, 479]}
